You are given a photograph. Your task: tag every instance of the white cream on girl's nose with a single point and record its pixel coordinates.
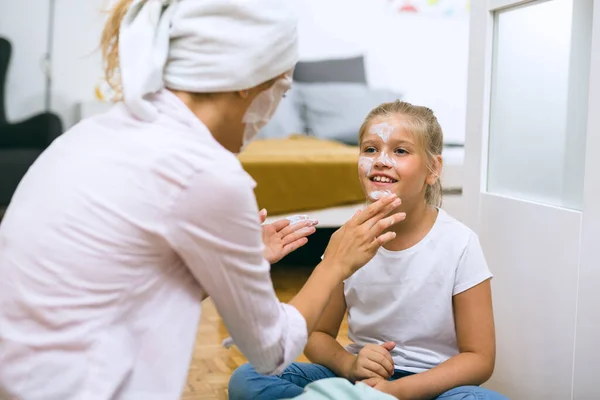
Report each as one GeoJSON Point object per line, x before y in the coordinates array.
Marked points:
{"type": "Point", "coordinates": [385, 160]}
{"type": "Point", "coordinates": [383, 130]}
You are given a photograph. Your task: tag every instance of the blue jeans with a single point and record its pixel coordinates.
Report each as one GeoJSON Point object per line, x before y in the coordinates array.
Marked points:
{"type": "Point", "coordinates": [246, 384]}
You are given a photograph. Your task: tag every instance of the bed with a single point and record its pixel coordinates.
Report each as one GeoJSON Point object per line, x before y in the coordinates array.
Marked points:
{"type": "Point", "coordinates": [305, 175]}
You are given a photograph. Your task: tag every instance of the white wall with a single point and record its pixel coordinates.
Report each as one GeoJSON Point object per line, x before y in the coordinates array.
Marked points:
{"type": "Point", "coordinates": [76, 61]}
{"type": "Point", "coordinates": [423, 57]}
{"type": "Point", "coordinates": [25, 24]}
{"type": "Point", "coordinates": [76, 64]}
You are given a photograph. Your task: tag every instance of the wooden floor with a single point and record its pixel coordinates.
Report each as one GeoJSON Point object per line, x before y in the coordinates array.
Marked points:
{"type": "Point", "coordinates": [212, 364]}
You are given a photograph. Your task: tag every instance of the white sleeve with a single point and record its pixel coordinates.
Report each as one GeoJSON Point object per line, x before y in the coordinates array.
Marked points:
{"type": "Point", "coordinates": [472, 267]}
{"type": "Point", "coordinates": [216, 231]}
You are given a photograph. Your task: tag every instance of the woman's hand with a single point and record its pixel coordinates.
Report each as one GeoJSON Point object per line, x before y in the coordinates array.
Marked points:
{"type": "Point", "coordinates": [281, 237]}
{"type": "Point", "coordinates": [373, 361]}
{"type": "Point", "coordinates": [357, 241]}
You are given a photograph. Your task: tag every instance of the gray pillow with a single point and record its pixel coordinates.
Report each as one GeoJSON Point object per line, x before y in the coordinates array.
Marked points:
{"type": "Point", "coordinates": [331, 70]}
{"type": "Point", "coordinates": [286, 120]}
{"type": "Point", "coordinates": [335, 111]}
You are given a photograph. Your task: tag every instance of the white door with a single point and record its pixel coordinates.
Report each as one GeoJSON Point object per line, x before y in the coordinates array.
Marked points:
{"type": "Point", "coordinates": [532, 189]}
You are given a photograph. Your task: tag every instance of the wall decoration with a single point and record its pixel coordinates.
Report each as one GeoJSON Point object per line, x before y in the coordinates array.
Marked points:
{"type": "Point", "coordinates": [434, 8]}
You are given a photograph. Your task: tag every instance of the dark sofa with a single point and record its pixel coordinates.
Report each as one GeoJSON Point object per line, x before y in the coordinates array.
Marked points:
{"type": "Point", "coordinates": [21, 142]}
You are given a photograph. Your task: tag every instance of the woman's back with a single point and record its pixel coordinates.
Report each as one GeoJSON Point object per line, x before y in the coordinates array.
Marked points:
{"type": "Point", "coordinates": [85, 252]}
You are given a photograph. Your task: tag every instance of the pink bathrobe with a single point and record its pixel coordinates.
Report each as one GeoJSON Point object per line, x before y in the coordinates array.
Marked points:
{"type": "Point", "coordinates": [112, 240]}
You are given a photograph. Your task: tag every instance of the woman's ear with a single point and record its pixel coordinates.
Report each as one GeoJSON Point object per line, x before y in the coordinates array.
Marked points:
{"type": "Point", "coordinates": [436, 170]}
{"type": "Point", "coordinates": [243, 94]}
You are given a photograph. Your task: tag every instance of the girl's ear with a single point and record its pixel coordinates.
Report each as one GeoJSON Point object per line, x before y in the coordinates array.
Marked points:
{"type": "Point", "coordinates": [436, 170]}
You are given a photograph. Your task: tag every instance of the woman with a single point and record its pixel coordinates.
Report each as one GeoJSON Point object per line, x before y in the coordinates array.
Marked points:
{"type": "Point", "coordinates": [130, 219]}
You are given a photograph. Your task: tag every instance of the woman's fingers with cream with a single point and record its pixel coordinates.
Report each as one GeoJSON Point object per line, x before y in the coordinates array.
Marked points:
{"type": "Point", "coordinates": [308, 223]}
{"type": "Point", "coordinates": [297, 218]}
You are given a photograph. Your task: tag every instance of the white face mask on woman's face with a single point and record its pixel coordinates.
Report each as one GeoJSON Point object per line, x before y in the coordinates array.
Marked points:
{"type": "Point", "coordinates": [263, 107]}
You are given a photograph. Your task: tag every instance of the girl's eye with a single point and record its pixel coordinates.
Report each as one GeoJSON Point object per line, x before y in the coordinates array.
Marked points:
{"type": "Point", "coordinates": [370, 150]}
{"type": "Point", "coordinates": [401, 151]}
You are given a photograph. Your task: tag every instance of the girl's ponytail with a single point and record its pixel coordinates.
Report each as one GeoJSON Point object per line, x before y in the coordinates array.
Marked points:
{"type": "Point", "coordinates": [433, 194]}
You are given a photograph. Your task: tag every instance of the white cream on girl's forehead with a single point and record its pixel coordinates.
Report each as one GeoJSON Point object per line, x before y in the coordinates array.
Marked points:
{"type": "Point", "coordinates": [378, 194]}
{"type": "Point", "coordinates": [383, 130]}
{"type": "Point", "coordinates": [365, 164]}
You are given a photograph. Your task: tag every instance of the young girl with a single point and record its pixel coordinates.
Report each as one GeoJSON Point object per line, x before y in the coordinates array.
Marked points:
{"type": "Point", "coordinates": [420, 312]}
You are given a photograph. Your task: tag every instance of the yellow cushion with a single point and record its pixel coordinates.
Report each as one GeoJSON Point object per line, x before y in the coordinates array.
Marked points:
{"type": "Point", "coordinates": [302, 173]}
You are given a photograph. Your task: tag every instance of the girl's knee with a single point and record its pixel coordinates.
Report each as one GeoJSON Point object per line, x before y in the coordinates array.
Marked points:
{"type": "Point", "coordinates": [471, 393]}
{"type": "Point", "coordinates": [240, 382]}
{"type": "Point", "coordinates": [246, 383]}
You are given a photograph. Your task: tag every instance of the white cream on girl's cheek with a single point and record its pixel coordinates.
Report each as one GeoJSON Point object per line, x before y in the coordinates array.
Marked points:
{"type": "Point", "coordinates": [382, 130]}
{"type": "Point", "coordinates": [378, 194]}
{"type": "Point", "coordinates": [365, 164]}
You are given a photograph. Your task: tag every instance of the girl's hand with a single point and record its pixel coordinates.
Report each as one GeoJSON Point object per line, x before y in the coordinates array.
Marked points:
{"type": "Point", "coordinates": [281, 238]}
{"type": "Point", "coordinates": [373, 361]}
{"type": "Point", "coordinates": [357, 241]}
{"type": "Point", "coordinates": [383, 385]}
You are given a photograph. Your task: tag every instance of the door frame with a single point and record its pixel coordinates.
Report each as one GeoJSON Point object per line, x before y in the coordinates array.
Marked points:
{"type": "Point", "coordinates": [481, 41]}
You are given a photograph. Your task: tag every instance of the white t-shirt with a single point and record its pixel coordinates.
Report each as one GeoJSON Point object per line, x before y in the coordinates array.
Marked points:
{"type": "Point", "coordinates": [113, 238]}
{"type": "Point", "coordinates": [406, 296]}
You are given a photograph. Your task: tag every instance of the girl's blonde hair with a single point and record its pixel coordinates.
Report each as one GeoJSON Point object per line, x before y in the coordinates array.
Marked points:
{"type": "Point", "coordinates": [109, 45]}
{"type": "Point", "coordinates": [425, 127]}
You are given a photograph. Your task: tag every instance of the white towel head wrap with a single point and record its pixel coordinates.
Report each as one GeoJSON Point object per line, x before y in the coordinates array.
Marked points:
{"type": "Point", "coordinates": [203, 46]}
